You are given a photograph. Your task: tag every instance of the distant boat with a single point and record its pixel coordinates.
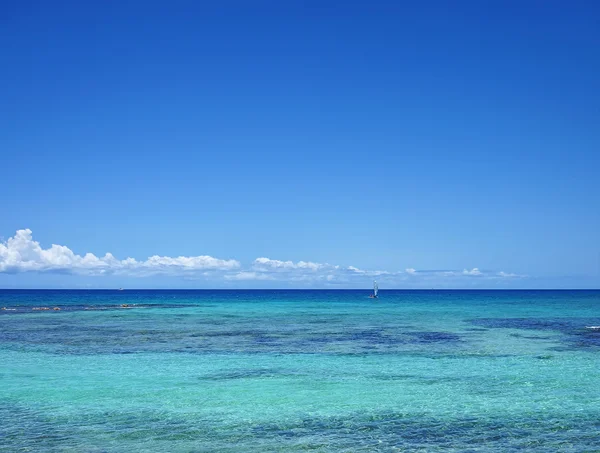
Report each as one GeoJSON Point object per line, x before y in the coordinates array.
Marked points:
{"type": "Point", "coordinates": [120, 289]}
{"type": "Point", "coordinates": [375, 290]}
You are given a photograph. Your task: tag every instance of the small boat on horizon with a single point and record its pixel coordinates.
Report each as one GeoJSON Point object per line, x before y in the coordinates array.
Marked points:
{"type": "Point", "coordinates": [375, 290]}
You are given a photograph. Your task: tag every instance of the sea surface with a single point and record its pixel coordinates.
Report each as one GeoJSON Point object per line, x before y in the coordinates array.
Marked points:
{"type": "Point", "coordinates": [299, 371]}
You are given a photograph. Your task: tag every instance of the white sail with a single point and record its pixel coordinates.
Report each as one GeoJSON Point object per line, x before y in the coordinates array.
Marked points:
{"type": "Point", "coordinates": [375, 288]}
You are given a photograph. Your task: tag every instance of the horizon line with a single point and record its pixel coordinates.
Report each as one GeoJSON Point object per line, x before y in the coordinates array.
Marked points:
{"type": "Point", "coordinates": [299, 289]}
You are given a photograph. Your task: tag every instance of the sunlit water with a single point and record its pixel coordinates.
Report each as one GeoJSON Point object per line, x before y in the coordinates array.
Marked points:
{"type": "Point", "coordinates": [258, 371]}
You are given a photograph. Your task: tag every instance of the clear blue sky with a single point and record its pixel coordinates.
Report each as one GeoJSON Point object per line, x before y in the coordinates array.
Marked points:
{"type": "Point", "coordinates": [382, 135]}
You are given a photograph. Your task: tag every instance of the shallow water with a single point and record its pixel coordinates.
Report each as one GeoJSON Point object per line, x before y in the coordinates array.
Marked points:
{"type": "Point", "coordinates": [196, 371]}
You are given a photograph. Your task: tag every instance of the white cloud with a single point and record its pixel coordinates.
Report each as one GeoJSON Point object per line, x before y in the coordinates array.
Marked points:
{"type": "Point", "coordinates": [310, 265]}
{"type": "Point", "coordinates": [474, 271]}
{"type": "Point", "coordinates": [248, 275]}
{"type": "Point", "coordinates": [269, 264]}
{"type": "Point", "coordinates": [289, 271]}
{"type": "Point", "coordinates": [356, 270]}
{"type": "Point", "coordinates": [503, 274]}
{"type": "Point", "coordinates": [22, 254]}
{"type": "Point", "coordinates": [465, 273]}
{"type": "Point", "coordinates": [309, 271]}
{"type": "Point", "coordinates": [266, 263]}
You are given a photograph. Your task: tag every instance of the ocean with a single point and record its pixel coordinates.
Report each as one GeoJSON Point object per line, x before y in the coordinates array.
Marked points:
{"type": "Point", "coordinates": [299, 371]}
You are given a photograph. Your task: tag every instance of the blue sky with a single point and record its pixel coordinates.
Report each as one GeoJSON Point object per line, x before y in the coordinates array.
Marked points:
{"type": "Point", "coordinates": [414, 142]}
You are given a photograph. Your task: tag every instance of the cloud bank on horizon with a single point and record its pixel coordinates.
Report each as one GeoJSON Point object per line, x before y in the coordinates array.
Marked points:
{"type": "Point", "coordinates": [21, 253]}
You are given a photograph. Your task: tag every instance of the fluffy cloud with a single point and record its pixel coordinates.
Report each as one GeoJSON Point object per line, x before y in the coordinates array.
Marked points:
{"type": "Point", "coordinates": [473, 271]}
{"type": "Point", "coordinates": [356, 270]}
{"type": "Point", "coordinates": [503, 274]}
{"type": "Point", "coordinates": [309, 271]}
{"type": "Point", "coordinates": [21, 254]}
{"type": "Point", "coordinates": [267, 264]}
{"type": "Point", "coordinates": [289, 271]}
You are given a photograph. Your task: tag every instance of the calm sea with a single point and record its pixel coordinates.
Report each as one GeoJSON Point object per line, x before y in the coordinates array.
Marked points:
{"type": "Point", "coordinates": [295, 371]}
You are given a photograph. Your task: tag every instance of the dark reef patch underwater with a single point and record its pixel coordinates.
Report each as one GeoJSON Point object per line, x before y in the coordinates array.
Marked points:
{"type": "Point", "coordinates": [576, 333]}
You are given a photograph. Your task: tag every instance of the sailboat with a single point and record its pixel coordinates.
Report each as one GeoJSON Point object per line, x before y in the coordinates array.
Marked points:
{"type": "Point", "coordinates": [375, 290]}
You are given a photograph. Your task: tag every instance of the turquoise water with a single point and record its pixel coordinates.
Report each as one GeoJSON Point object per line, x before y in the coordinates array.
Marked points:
{"type": "Point", "coordinates": [257, 371]}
